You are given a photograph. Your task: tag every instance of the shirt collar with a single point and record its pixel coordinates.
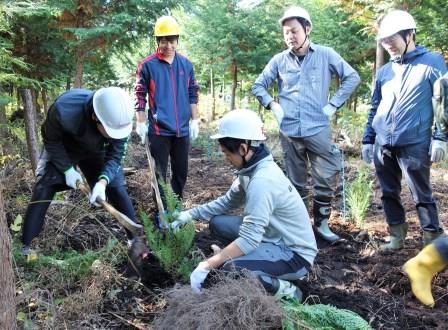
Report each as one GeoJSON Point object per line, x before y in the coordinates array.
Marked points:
{"type": "Point", "coordinates": [312, 47]}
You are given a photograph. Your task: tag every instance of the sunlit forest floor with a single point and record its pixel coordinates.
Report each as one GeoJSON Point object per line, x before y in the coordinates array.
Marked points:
{"type": "Point", "coordinates": [349, 275]}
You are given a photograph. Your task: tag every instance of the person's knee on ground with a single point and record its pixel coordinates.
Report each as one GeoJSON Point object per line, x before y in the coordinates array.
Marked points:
{"type": "Point", "coordinates": [422, 268]}
{"type": "Point", "coordinates": [321, 215]}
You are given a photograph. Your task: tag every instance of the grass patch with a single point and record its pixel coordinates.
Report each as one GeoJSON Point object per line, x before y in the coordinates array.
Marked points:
{"type": "Point", "coordinates": [359, 194]}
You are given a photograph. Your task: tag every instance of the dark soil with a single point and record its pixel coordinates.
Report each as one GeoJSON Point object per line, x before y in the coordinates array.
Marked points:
{"type": "Point", "coordinates": [350, 274]}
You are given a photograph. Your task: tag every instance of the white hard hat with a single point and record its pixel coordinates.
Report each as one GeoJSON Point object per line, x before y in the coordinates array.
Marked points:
{"type": "Point", "coordinates": [293, 12]}
{"type": "Point", "coordinates": [240, 124]}
{"type": "Point", "coordinates": [395, 21]}
{"type": "Point", "coordinates": [113, 109]}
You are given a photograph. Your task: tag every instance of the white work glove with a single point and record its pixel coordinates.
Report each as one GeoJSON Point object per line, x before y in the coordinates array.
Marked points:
{"type": "Point", "coordinates": [278, 112]}
{"type": "Point", "coordinates": [142, 130]}
{"type": "Point", "coordinates": [437, 150]}
{"type": "Point", "coordinates": [99, 190]}
{"type": "Point", "coordinates": [329, 110]}
{"type": "Point", "coordinates": [183, 218]}
{"type": "Point", "coordinates": [72, 176]}
{"type": "Point", "coordinates": [198, 276]}
{"type": "Point", "coordinates": [367, 153]}
{"type": "Point", "coordinates": [194, 129]}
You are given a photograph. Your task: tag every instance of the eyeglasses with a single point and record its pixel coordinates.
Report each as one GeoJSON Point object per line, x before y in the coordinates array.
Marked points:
{"type": "Point", "coordinates": [390, 39]}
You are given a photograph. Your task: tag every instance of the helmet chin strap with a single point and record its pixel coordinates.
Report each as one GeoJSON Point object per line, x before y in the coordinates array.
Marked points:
{"type": "Point", "coordinates": [301, 46]}
{"type": "Point", "coordinates": [400, 58]}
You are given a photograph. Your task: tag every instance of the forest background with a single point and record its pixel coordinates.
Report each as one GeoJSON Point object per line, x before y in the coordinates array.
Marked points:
{"type": "Point", "coordinates": [48, 47]}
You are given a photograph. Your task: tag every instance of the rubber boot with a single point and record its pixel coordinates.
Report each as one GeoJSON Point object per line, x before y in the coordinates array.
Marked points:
{"type": "Point", "coordinates": [429, 236]}
{"type": "Point", "coordinates": [288, 290]}
{"type": "Point", "coordinates": [29, 253]}
{"type": "Point", "coordinates": [421, 269]}
{"type": "Point", "coordinates": [321, 214]}
{"type": "Point", "coordinates": [397, 236]}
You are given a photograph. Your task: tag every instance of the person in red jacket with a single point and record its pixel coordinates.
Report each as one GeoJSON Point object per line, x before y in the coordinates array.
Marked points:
{"type": "Point", "coordinates": [165, 79]}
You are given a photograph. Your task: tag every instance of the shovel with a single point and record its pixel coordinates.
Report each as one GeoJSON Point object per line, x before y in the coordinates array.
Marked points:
{"type": "Point", "coordinates": [154, 184]}
{"type": "Point", "coordinates": [127, 223]}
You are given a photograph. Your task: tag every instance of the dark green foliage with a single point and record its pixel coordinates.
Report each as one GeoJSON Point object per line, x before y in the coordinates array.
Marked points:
{"type": "Point", "coordinates": [322, 317]}
{"type": "Point", "coordinates": [172, 249]}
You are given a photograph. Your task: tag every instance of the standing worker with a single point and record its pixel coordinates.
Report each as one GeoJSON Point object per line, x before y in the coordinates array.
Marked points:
{"type": "Point", "coordinates": [86, 129]}
{"type": "Point", "coordinates": [398, 135]}
{"type": "Point", "coordinates": [304, 72]}
{"type": "Point", "coordinates": [167, 78]}
{"type": "Point", "coordinates": [273, 239]}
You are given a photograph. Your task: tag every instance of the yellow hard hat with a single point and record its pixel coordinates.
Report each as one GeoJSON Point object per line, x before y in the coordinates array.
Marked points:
{"type": "Point", "coordinates": [166, 26]}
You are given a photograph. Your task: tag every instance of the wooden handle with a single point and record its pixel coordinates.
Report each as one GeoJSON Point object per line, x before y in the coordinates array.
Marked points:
{"type": "Point", "coordinates": [154, 183]}
{"type": "Point", "coordinates": [120, 217]}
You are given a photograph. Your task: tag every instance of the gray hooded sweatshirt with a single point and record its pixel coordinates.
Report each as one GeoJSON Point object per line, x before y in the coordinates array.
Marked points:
{"type": "Point", "coordinates": [273, 210]}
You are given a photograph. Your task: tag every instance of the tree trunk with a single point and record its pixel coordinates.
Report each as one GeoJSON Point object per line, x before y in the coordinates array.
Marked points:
{"type": "Point", "coordinates": [3, 120]}
{"type": "Point", "coordinates": [68, 83]}
{"type": "Point", "coordinates": [44, 100]}
{"type": "Point", "coordinates": [234, 85]}
{"type": "Point", "coordinates": [212, 92]}
{"type": "Point", "coordinates": [80, 55]}
{"type": "Point", "coordinates": [30, 126]}
{"type": "Point", "coordinates": [379, 62]}
{"type": "Point", "coordinates": [7, 285]}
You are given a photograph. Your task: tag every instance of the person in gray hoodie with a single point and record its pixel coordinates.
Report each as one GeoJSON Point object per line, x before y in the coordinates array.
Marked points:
{"type": "Point", "coordinates": [399, 135]}
{"type": "Point", "coordinates": [273, 239]}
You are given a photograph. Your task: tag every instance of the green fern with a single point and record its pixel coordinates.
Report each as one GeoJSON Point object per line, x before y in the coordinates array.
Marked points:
{"type": "Point", "coordinates": [319, 316]}
{"type": "Point", "coordinates": [169, 247]}
{"type": "Point", "coordinates": [359, 193]}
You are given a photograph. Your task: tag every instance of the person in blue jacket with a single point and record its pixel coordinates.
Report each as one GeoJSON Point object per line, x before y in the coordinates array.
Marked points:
{"type": "Point", "coordinates": [167, 79]}
{"type": "Point", "coordinates": [87, 129]}
{"type": "Point", "coordinates": [398, 134]}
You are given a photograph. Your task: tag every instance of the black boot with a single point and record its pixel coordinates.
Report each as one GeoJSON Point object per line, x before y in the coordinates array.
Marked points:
{"type": "Point", "coordinates": [321, 214]}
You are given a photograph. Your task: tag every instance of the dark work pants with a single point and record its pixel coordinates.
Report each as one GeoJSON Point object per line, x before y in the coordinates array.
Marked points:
{"type": "Point", "coordinates": [176, 149]}
{"type": "Point", "coordinates": [268, 262]}
{"type": "Point", "coordinates": [50, 181]}
{"type": "Point", "coordinates": [324, 159]}
{"type": "Point", "coordinates": [413, 161]}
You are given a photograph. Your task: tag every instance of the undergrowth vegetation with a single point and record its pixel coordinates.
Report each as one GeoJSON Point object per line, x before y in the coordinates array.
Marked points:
{"type": "Point", "coordinates": [359, 194]}
{"type": "Point", "coordinates": [173, 249]}
{"type": "Point", "coordinates": [322, 317]}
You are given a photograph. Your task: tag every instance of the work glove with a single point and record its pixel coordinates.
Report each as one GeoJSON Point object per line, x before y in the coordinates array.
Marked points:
{"type": "Point", "coordinates": [72, 176]}
{"type": "Point", "coordinates": [198, 276]}
{"type": "Point", "coordinates": [194, 129]}
{"type": "Point", "coordinates": [183, 218]}
{"type": "Point", "coordinates": [142, 130]}
{"type": "Point", "coordinates": [278, 112]}
{"type": "Point", "coordinates": [99, 190]}
{"type": "Point", "coordinates": [437, 150]}
{"type": "Point", "coordinates": [367, 153]}
{"type": "Point", "coordinates": [329, 110]}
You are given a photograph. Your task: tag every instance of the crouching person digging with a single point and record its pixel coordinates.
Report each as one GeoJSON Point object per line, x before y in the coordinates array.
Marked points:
{"type": "Point", "coordinates": [88, 129]}
{"type": "Point", "coordinates": [273, 239]}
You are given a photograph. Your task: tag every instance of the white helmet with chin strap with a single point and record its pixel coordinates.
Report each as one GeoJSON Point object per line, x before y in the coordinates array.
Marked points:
{"type": "Point", "coordinates": [113, 109]}
{"type": "Point", "coordinates": [240, 124]}
{"type": "Point", "coordinates": [296, 12]}
{"type": "Point", "coordinates": [394, 22]}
